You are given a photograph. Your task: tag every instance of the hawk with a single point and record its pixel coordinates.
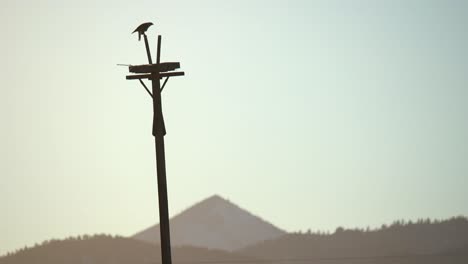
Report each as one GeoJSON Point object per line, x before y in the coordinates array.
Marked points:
{"type": "Point", "coordinates": [141, 29]}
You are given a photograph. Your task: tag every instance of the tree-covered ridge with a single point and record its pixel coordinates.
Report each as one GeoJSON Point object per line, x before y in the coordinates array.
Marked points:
{"type": "Point", "coordinates": [105, 249]}
{"type": "Point", "coordinates": [422, 242]}
{"type": "Point", "coordinates": [424, 236]}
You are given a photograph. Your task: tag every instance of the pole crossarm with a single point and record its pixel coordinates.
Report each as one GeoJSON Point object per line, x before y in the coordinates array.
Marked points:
{"type": "Point", "coordinates": [149, 68]}
{"type": "Point", "coordinates": [150, 76]}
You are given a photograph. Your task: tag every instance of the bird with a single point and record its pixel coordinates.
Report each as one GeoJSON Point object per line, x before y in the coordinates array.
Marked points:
{"type": "Point", "coordinates": [141, 29]}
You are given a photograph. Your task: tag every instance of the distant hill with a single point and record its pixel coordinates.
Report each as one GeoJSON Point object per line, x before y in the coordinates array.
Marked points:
{"type": "Point", "coordinates": [102, 249]}
{"type": "Point", "coordinates": [424, 242]}
{"type": "Point", "coordinates": [215, 223]}
{"type": "Point", "coordinates": [440, 241]}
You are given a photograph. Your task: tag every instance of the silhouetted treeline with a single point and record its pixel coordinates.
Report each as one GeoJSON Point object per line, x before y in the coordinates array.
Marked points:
{"type": "Point", "coordinates": [423, 237]}
{"type": "Point", "coordinates": [106, 249]}
{"type": "Point", "coordinates": [420, 242]}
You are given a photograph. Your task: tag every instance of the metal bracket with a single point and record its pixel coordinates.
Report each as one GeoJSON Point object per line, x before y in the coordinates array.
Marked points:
{"type": "Point", "coordinates": [164, 83]}
{"type": "Point", "coordinates": [146, 88]}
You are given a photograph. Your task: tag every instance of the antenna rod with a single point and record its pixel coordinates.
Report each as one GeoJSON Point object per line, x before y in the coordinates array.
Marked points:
{"type": "Point", "coordinates": [158, 54]}
{"type": "Point", "coordinates": [148, 53]}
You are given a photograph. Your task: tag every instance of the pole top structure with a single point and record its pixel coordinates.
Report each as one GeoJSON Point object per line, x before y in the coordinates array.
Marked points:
{"type": "Point", "coordinates": [150, 70]}
{"type": "Point", "coordinates": [154, 72]}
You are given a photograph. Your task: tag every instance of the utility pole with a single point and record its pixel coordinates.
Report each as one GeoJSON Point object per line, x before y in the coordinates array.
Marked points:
{"type": "Point", "coordinates": [154, 73]}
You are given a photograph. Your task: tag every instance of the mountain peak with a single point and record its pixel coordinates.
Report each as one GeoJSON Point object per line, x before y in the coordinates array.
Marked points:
{"type": "Point", "coordinates": [215, 198]}
{"type": "Point", "coordinates": [216, 223]}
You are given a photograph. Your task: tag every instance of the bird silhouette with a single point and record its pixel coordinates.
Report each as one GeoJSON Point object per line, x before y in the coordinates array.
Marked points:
{"type": "Point", "coordinates": [141, 29]}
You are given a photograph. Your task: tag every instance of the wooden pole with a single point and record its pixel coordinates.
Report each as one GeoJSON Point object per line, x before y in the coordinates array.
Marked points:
{"type": "Point", "coordinates": [159, 131]}
{"type": "Point", "coordinates": [155, 72]}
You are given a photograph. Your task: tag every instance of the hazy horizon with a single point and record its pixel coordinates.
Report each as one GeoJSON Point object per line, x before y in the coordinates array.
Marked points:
{"type": "Point", "coordinates": [310, 114]}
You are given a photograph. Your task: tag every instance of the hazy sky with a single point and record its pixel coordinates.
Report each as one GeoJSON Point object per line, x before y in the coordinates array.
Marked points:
{"type": "Point", "coordinates": [311, 114]}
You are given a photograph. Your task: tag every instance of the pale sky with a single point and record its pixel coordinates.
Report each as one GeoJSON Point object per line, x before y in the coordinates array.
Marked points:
{"type": "Point", "coordinates": [310, 114]}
